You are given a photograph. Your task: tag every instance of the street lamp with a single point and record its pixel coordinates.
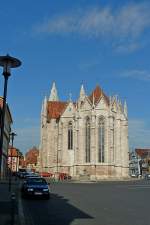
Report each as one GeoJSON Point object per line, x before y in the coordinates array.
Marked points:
{"type": "Point", "coordinates": [17, 161]}
{"type": "Point", "coordinates": [11, 135]}
{"type": "Point", "coordinates": [7, 62]}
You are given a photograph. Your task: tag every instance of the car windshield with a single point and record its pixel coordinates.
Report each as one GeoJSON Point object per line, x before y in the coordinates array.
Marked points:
{"type": "Point", "coordinates": [36, 181]}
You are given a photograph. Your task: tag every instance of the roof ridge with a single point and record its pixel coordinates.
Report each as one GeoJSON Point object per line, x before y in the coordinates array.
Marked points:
{"type": "Point", "coordinates": [98, 93]}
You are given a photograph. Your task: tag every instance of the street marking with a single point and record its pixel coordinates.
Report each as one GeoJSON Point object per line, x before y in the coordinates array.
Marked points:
{"type": "Point", "coordinates": [138, 188]}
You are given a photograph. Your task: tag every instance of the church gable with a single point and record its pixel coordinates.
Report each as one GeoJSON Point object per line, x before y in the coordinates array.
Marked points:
{"type": "Point", "coordinates": [97, 95]}
{"type": "Point", "coordinates": [86, 104]}
{"type": "Point", "coordinates": [102, 104]}
{"type": "Point", "coordinates": [69, 110]}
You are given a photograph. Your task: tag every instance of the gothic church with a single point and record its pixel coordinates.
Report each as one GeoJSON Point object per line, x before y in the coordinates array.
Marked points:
{"type": "Point", "coordinates": [86, 138]}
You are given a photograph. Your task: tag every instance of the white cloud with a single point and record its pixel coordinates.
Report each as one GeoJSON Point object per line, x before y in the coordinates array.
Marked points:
{"type": "Point", "coordinates": [137, 74]}
{"type": "Point", "coordinates": [127, 47]}
{"type": "Point", "coordinates": [123, 25]}
{"type": "Point", "coordinates": [139, 133]}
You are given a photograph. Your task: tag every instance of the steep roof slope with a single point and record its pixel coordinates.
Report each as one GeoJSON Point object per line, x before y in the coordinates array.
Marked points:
{"type": "Point", "coordinates": [55, 109]}
{"type": "Point", "coordinates": [97, 94]}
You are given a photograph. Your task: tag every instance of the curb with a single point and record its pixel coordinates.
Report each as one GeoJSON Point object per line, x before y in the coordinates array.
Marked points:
{"type": "Point", "coordinates": [95, 181]}
{"type": "Point", "coordinates": [21, 212]}
{"type": "Point", "coordinates": [21, 216]}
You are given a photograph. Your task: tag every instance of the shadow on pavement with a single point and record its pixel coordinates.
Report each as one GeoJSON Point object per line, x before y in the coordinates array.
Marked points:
{"type": "Point", "coordinates": [56, 211]}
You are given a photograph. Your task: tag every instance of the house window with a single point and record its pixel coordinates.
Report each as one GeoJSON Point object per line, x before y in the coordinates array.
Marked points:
{"type": "Point", "coordinates": [87, 141]}
{"type": "Point", "coordinates": [70, 136]}
{"type": "Point", "coordinates": [101, 139]}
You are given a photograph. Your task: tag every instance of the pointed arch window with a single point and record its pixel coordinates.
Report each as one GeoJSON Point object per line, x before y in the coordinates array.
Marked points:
{"type": "Point", "coordinates": [101, 139]}
{"type": "Point", "coordinates": [70, 136]}
{"type": "Point", "coordinates": [87, 141]}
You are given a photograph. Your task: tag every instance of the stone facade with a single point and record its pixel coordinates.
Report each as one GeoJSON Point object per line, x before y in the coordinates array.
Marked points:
{"type": "Point", "coordinates": [88, 138]}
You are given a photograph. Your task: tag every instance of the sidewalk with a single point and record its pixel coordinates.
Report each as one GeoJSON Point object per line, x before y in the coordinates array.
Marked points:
{"type": "Point", "coordinates": [8, 204]}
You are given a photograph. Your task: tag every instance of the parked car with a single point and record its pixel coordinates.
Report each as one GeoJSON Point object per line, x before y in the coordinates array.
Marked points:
{"type": "Point", "coordinates": [31, 175]}
{"type": "Point", "coordinates": [22, 174]}
{"type": "Point", "coordinates": [45, 174]}
{"type": "Point", "coordinates": [35, 187]}
{"type": "Point", "coordinates": [134, 175]}
{"type": "Point", "coordinates": [147, 176]}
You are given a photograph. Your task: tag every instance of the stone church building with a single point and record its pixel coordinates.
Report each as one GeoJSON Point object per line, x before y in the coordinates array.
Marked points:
{"type": "Point", "coordinates": [86, 138]}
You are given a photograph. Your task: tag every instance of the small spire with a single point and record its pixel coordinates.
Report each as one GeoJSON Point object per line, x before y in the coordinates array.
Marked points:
{"type": "Point", "coordinates": [116, 98]}
{"type": "Point", "coordinates": [53, 95]}
{"type": "Point", "coordinates": [45, 100]}
{"type": "Point", "coordinates": [42, 107]}
{"type": "Point", "coordinates": [45, 104]}
{"type": "Point", "coordinates": [82, 93]}
{"type": "Point", "coordinates": [120, 105]}
{"type": "Point", "coordinates": [70, 97]}
{"type": "Point", "coordinates": [125, 109]}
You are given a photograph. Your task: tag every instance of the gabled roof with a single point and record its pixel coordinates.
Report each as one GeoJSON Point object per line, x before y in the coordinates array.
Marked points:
{"type": "Point", "coordinates": [55, 109]}
{"type": "Point", "coordinates": [97, 94]}
{"type": "Point", "coordinates": [142, 152]}
{"type": "Point", "coordinates": [12, 152]}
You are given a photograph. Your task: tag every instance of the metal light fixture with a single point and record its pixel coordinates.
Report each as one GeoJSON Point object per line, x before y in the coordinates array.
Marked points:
{"type": "Point", "coordinates": [12, 135]}
{"type": "Point", "coordinates": [7, 62]}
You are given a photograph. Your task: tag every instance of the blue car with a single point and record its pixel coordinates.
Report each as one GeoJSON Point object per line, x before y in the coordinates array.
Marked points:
{"type": "Point", "coordinates": [35, 187]}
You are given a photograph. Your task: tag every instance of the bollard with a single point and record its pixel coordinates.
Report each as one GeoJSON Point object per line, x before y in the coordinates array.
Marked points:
{"type": "Point", "coordinates": [13, 201]}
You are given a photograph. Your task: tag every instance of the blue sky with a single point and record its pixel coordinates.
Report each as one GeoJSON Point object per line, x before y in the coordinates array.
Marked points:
{"type": "Point", "coordinates": [74, 42]}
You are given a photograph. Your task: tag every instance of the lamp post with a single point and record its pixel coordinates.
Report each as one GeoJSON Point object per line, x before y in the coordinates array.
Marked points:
{"type": "Point", "coordinates": [11, 135]}
{"type": "Point", "coordinates": [17, 161]}
{"type": "Point", "coordinates": [7, 62]}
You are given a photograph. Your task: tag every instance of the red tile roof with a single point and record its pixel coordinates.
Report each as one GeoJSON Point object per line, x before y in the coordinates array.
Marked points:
{"type": "Point", "coordinates": [142, 152]}
{"type": "Point", "coordinates": [55, 109]}
{"type": "Point", "coordinates": [31, 156]}
{"type": "Point", "coordinates": [97, 94]}
{"type": "Point", "coordinates": [12, 152]}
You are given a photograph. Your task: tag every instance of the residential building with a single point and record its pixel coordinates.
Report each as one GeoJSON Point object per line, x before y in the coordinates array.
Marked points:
{"type": "Point", "coordinates": [7, 128]}
{"type": "Point", "coordinates": [31, 159]}
{"type": "Point", "coordinates": [143, 156]}
{"type": "Point", "coordinates": [134, 166]}
{"type": "Point", "coordinates": [86, 138]}
{"type": "Point", "coordinates": [13, 159]}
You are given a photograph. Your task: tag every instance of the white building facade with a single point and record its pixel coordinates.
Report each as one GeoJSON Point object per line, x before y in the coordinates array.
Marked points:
{"type": "Point", "coordinates": [88, 138]}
